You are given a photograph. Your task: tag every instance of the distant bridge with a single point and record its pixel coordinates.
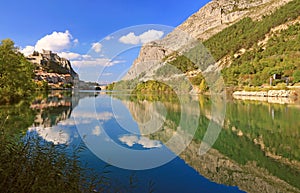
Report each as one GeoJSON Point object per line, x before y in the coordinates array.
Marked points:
{"type": "Point", "coordinates": [101, 87]}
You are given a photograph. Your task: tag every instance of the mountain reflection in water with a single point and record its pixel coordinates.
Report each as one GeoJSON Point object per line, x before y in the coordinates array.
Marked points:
{"type": "Point", "coordinates": [256, 151]}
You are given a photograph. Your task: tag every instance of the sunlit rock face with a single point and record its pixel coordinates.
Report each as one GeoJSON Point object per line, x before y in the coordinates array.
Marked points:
{"type": "Point", "coordinates": [208, 21]}
{"type": "Point", "coordinates": [51, 68]}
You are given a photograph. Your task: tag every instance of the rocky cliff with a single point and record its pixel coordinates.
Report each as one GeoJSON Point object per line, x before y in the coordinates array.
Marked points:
{"type": "Point", "coordinates": [56, 71]}
{"type": "Point", "coordinates": [219, 14]}
{"type": "Point", "coordinates": [209, 20]}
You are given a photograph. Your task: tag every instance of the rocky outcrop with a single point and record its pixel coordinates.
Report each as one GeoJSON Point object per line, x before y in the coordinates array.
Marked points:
{"type": "Point", "coordinates": [219, 14]}
{"type": "Point", "coordinates": [209, 20]}
{"type": "Point", "coordinates": [51, 62]}
{"type": "Point", "coordinates": [152, 54]}
{"type": "Point", "coordinates": [51, 68]}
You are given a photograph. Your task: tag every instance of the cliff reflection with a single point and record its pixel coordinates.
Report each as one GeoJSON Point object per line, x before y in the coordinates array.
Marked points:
{"type": "Point", "coordinates": [257, 149]}
{"type": "Point", "coordinates": [52, 121]}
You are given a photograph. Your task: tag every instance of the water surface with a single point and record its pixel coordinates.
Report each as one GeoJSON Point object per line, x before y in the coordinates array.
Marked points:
{"type": "Point", "coordinates": [257, 149]}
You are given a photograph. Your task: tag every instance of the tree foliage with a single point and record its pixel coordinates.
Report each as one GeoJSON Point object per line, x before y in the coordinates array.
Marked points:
{"type": "Point", "coordinates": [152, 85]}
{"type": "Point", "coordinates": [280, 56]}
{"type": "Point", "coordinates": [184, 64]}
{"type": "Point", "coordinates": [246, 33]}
{"type": "Point", "coordinates": [16, 73]}
{"type": "Point", "coordinates": [296, 76]}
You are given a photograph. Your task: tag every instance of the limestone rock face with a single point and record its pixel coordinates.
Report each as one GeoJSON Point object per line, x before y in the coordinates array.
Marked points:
{"type": "Point", "coordinates": [149, 57]}
{"type": "Point", "coordinates": [209, 20]}
{"type": "Point", "coordinates": [218, 14]}
{"type": "Point", "coordinates": [54, 70]}
{"type": "Point", "coordinates": [51, 62]}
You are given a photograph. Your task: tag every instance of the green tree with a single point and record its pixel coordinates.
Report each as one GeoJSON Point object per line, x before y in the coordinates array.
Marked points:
{"type": "Point", "coordinates": [296, 76]}
{"type": "Point", "coordinates": [16, 73]}
{"type": "Point", "coordinates": [203, 87]}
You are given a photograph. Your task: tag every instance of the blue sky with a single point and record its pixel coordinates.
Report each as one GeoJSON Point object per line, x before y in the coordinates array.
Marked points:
{"type": "Point", "coordinates": [76, 29]}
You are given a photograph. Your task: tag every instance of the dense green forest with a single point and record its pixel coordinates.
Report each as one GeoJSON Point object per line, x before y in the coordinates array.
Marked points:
{"type": "Point", "coordinates": [16, 74]}
{"type": "Point", "coordinates": [280, 56]}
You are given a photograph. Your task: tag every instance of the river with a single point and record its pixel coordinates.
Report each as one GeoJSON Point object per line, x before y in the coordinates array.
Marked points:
{"type": "Point", "coordinates": [153, 143]}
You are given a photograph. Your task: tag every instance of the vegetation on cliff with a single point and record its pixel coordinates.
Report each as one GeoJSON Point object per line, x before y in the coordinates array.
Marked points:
{"type": "Point", "coordinates": [257, 65]}
{"type": "Point", "coordinates": [149, 86]}
{"type": "Point", "coordinates": [280, 56]}
{"type": "Point", "coordinates": [246, 33]}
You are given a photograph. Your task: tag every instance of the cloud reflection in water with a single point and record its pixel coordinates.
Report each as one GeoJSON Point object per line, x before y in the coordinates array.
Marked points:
{"type": "Point", "coordinates": [147, 143]}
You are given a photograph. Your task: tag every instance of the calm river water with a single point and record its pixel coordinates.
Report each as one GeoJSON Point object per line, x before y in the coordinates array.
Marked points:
{"type": "Point", "coordinates": [155, 141]}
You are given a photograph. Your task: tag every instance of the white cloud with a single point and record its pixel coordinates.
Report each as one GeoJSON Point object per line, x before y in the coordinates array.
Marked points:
{"type": "Point", "coordinates": [148, 143]}
{"type": "Point", "coordinates": [86, 56]}
{"type": "Point", "coordinates": [131, 140]}
{"type": "Point", "coordinates": [145, 37]}
{"type": "Point", "coordinates": [55, 134]}
{"type": "Point", "coordinates": [108, 38]}
{"type": "Point", "coordinates": [130, 38]}
{"type": "Point", "coordinates": [151, 35]}
{"type": "Point", "coordinates": [56, 42]}
{"type": "Point", "coordinates": [70, 55]}
{"type": "Point", "coordinates": [107, 74]}
{"type": "Point", "coordinates": [60, 42]}
{"type": "Point", "coordinates": [97, 47]}
{"type": "Point", "coordinates": [89, 61]}
{"type": "Point", "coordinates": [27, 50]}
{"type": "Point", "coordinates": [96, 131]}
{"type": "Point", "coordinates": [76, 41]}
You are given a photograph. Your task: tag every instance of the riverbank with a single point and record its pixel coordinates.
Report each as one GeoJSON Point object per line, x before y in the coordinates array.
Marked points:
{"type": "Point", "coordinates": [271, 96]}
{"type": "Point", "coordinates": [270, 93]}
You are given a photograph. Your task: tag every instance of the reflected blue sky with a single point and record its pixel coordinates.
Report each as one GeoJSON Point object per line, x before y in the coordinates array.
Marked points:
{"type": "Point", "coordinates": [93, 123]}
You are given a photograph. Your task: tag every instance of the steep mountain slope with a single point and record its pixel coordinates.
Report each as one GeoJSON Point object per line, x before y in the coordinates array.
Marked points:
{"type": "Point", "coordinates": [225, 27]}
{"type": "Point", "coordinates": [219, 14]}
{"type": "Point", "coordinates": [277, 54]}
